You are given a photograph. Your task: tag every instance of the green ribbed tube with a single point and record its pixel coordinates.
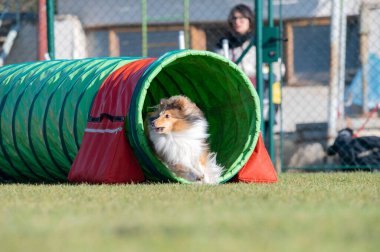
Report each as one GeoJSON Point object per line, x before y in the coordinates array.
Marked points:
{"type": "Point", "coordinates": [44, 108]}
{"type": "Point", "coordinates": [43, 113]}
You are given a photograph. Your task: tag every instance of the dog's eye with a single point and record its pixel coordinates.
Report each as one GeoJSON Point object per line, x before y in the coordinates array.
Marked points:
{"type": "Point", "coordinates": [167, 116]}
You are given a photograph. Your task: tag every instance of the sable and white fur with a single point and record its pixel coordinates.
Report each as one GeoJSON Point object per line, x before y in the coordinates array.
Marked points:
{"type": "Point", "coordinates": [178, 131]}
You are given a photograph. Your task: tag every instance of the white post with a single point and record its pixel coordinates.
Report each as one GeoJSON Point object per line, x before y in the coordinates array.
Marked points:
{"type": "Point", "coordinates": [181, 40]}
{"type": "Point", "coordinates": [334, 71]}
{"type": "Point", "coordinates": [363, 32]}
{"type": "Point", "coordinates": [226, 48]}
{"type": "Point", "coordinates": [342, 57]}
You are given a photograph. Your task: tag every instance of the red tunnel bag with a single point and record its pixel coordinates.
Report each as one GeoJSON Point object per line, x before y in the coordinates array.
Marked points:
{"type": "Point", "coordinates": [105, 155]}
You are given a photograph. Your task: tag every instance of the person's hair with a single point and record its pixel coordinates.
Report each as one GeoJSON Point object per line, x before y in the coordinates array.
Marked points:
{"type": "Point", "coordinates": [245, 11]}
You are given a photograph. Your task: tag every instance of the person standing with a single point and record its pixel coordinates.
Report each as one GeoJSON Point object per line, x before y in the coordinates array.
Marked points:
{"type": "Point", "coordinates": [239, 37]}
{"type": "Point", "coordinates": [238, 45]}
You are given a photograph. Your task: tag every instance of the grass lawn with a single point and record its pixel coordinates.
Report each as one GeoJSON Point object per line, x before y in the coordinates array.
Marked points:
{"type": "Point", "coordinates": [302, 212]}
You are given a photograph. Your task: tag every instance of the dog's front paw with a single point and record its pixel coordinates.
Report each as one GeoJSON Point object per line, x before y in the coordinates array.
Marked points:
{"type": "Point", "coordinates": [195, 177]}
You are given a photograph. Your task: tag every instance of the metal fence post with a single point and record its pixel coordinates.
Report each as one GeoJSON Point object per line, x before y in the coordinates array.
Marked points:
{"type": "Point", "coordinates": [42, 30]}
{"type": "Point", "coordinates": [363, 33]}
{"type": "Point", "coordinates": [270, 92]}
{"type": "Point", "coordinates": [144, 28]}
{"type": "Point", "coordinates": [334, 71]}
{"type": "Point", "coordinates": [259, 58]}
{"type": "Point", "coordinates": [186, 22]}
{"type": "Point", "coordinates": [50, 28]}
{"type": "Point", "coordinates": [342, 58]}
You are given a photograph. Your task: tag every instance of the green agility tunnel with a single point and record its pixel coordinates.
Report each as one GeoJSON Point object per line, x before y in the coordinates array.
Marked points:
{"type": "Point", "coordinates": [83, 120]}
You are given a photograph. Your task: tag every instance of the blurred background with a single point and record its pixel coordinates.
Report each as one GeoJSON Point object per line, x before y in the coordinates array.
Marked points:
{"type": "Point", "coordinates": [331, 58]}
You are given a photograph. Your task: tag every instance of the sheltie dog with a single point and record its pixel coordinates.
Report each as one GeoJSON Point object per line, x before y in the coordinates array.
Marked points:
{"type": "Point", "coordinates": [178, 132]}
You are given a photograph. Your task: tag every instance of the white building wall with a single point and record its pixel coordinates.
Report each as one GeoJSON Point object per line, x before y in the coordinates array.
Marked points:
{"type": "Point", "coordinates": [70, 38]}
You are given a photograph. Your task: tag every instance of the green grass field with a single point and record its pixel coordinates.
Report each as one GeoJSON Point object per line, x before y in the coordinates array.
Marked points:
{"type": "Point", "coordinates": [302, 212]}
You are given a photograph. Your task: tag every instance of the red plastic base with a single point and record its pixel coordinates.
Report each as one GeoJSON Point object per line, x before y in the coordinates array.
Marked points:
{"type": "Point", "coordinates": [259, 168]}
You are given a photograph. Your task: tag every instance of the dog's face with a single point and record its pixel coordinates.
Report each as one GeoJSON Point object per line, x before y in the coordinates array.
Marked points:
{"type": "Point", "coordinates": [174, 114]}
{"type": "Point", "coordinates": [165, 121]}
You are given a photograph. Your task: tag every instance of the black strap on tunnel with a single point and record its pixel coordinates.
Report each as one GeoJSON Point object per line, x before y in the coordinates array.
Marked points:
{"type": "Point", "coordinates": [76, 111]}
{"type": "Point", "coordinates": [97, 74]}
{"type": "Point", "coordinates": [109, 117]}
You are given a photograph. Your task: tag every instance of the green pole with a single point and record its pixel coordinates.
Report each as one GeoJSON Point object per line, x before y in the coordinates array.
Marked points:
{"type": "Point", "coordinates": [144, 28]}
{"type": "Point", "coordinates": [270, 93]}
{"type": "Point", "coordinates": [259, 58]}
{"type": "Point", "coordinates": [50, 28]}
{"type": "Point", "coordinates": [186, 21]}
{"type": "Point", "coordinates": [281, 131]}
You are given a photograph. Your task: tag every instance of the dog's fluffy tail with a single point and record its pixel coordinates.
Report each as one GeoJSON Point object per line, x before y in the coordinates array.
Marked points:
{"type": "Point", "coordinates": [213, 171]}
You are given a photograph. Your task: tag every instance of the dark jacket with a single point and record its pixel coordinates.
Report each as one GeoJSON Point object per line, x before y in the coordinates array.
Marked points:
{"type": "Point", "coordinates": [359, 151]}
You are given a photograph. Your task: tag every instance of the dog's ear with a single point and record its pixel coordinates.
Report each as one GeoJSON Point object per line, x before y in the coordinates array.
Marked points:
{"type": "Point", "coordinates": [173, 102]}
{"type": "Point", "coordinates": [163, 101]}
{"type": "Point", "coordinates": [179, 104]}
{"type": "Point", "coordinates": [182, 102]}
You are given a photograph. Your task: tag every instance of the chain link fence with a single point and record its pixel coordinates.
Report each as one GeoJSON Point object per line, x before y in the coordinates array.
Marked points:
{"type": "Point", "coordinates": [331, 57]}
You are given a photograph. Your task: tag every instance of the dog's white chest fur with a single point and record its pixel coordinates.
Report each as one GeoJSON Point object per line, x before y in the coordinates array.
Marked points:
{"type": "Point", "coordinates": [184, 147]}
{"type": "Point", "coordinates": [178, 131]}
